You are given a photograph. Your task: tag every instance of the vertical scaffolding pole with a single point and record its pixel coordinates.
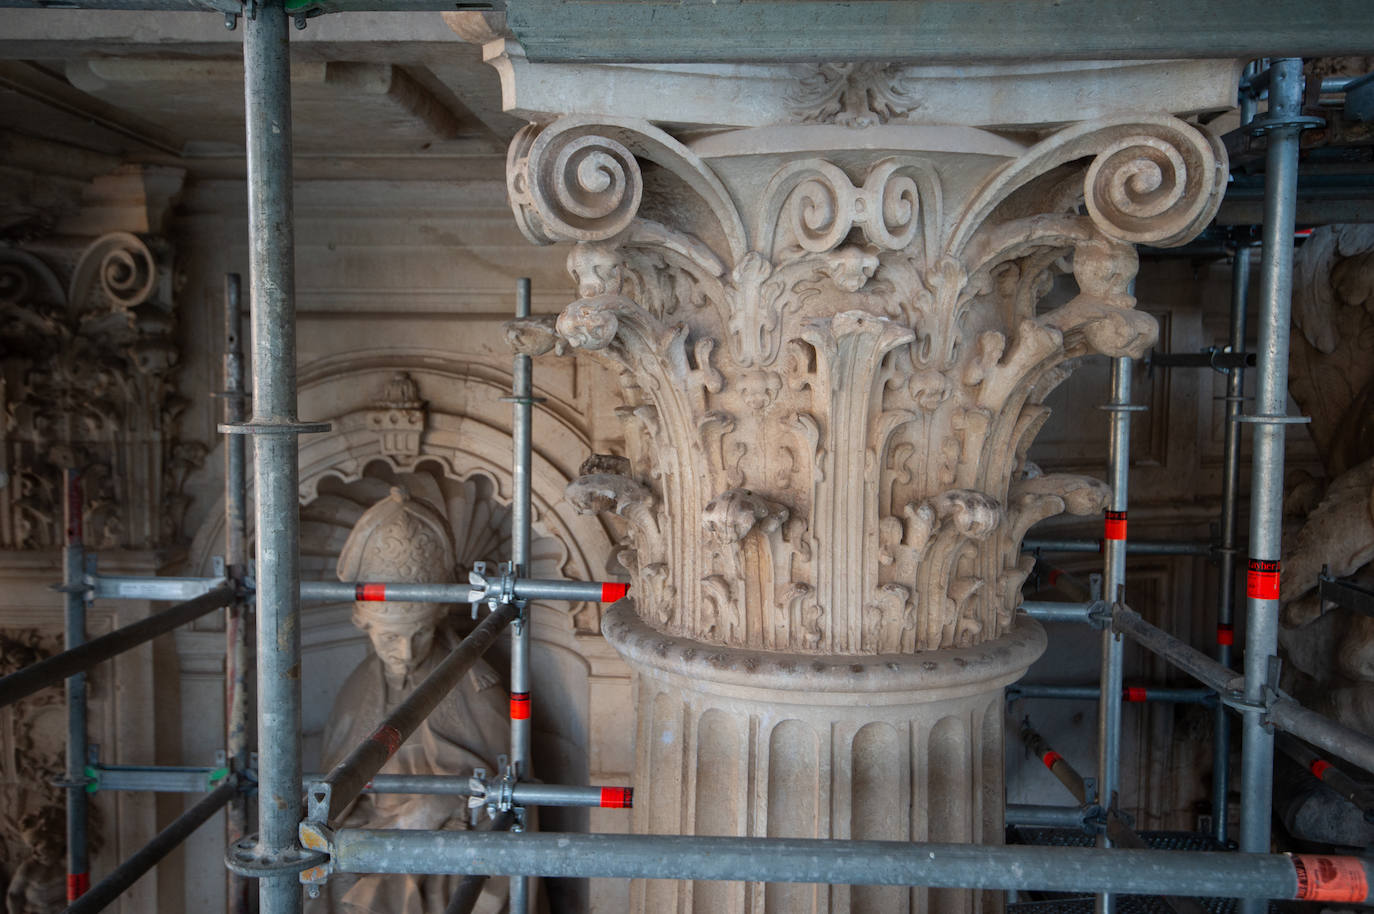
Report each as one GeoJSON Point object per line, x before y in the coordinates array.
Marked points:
{"type": "Point", "coordinates": [1114, 580]}
{"type": "Point", "coordinates": [267, 91]}
{"type": "Point", "coordinates": [73, 573]}
{"type": "Point", "coordinates": [237, 623]}
{"type": "Point", "coordinates": [522, 400]}
{"type": "Point", "coordinates": [1266, 481]}
{"type": "Point", "coordinates": [1226, 555]}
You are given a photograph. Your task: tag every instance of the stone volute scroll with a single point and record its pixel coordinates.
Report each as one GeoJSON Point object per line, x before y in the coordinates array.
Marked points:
{"type": "Point", "coordinates": [821, 289]}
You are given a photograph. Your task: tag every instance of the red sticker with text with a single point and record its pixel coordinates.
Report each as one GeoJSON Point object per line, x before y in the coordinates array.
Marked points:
{"type": "Point", "coordinates": [612, 591]}
{"type": "Point", "coordinates": [1262, 579]}
{"type": "Point", "coordinates": [78, 884]}
{"type": "Point", "coordinates": [1322, 878]}
{"type": "Point", "coordinates": [375, 593]}
{"type": "Point", "coordinates": [1319, 767]}
{"type": "Point", "coordinates": [389, 737]}
{"type": "Point", "coordinates": [617, 797]}
{"type": "Point", "coordinates": [1050, 758]}
{"type": "Point", "coordinates": [1115, 528]}
{"type": "Point", "coordinates": [519, 705]}
{"type": "Point", "coordinates": [1226, 634]}
{"type": "Point", "coordinates": [1133, 693]}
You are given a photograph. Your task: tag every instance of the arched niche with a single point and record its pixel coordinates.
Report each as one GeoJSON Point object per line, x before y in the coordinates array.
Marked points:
{"type": "Point", "coordinates": [460, 462]}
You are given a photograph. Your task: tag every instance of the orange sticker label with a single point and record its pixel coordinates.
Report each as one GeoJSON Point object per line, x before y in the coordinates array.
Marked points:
{"type": "Point", "coordinates": [370, 592]}
{"type": "Point", "coordinates": [78, 884]}
{"type": "Point", "coordinates": [520, 706]}
{"type": "Point", "coordinates": [1319, 767]}
{"type": "Point", "coordinates": [1323, 878]}
{"type": "Point", "coordinates": [1050, 758]}
{"type": "Point", "coordinates": [1226, 634]}
{"type": "Point", "coordinates": [1262, 579]}
{"type": "Point", "coordinates": [1133, 693]}
{"type": "Point", "coordinates": [612, 591]}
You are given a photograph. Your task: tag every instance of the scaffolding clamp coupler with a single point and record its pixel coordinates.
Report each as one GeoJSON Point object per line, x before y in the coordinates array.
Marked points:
{"type": "Point", "coordinates": [1100, 614]}
{"type": "Point", "coordinates": [246, 858]}
{"type": "Point", "coordinates": [316, 837]}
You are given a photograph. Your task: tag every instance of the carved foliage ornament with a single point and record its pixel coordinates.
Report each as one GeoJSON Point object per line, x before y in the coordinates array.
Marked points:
{"type": "Point", "coordinates": [842, 476]}
{"type": "Point", "coordinates": [87, 382]}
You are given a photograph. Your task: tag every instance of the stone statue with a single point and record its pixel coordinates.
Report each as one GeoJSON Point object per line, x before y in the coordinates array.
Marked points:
{"type": "Point", "coordinates": [400, 539]}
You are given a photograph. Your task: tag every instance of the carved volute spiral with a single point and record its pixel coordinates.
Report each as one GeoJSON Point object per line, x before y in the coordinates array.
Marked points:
{"type": "Point", "coordinates": [1154, 189]}
{"type": "Point", "coordinates": [573, 185]}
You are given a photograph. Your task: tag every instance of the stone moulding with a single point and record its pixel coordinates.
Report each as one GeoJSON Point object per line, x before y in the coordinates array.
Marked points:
{"type": "Point", "coordinates": [761, 676]}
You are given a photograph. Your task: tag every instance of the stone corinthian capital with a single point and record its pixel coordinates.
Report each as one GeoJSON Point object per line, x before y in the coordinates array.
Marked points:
{"type": "Point", "coordinates": [822, 289]}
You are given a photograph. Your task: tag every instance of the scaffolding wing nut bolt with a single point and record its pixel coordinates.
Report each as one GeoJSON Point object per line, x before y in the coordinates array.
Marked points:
{"type": "Point", "coordinates": [1100, 614]}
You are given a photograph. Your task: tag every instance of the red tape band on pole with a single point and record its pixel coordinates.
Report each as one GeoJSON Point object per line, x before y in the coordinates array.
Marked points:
{"type": "Point", "coordinates": [1050, 758]}
{"type": "Point", "coordinates": [1115, 528]}
{"type": "Point", "coordinates": [1055, 576]}
{"type": "Point", "coordinates": [519, 705]}
{"type": "Point", "coordinates": [1133, 693]}
{"type": "Point", "coordinates": [375, 593]}
{"type": "Point", "coordinates": [1319, 767]}
{"type": "Point", "coordinates": [389, 737]}
{"type": "Point", "coordinates": [617, 797]}
{"type": "Point", "coordinates": [611, 591]}
{"type": "Point", "coordinates": [78, 884]}
{"type": "Point", "coordinates": [1226, 634]}
{"type": "Point", "coordinates": [1262, 579]}
{"type": "Point", "coordinates": [1323, 878]}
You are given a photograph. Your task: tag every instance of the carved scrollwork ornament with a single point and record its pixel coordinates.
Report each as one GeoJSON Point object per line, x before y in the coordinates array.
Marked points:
{"type": "Point", "coordinates": [566, 185]}
{"type": "Point", "coordinates": [1156, 189]}
{"type": "Point", "coordinates": [118, 271]}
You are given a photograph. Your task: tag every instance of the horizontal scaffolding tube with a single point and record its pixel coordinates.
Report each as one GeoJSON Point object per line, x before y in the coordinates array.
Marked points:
{"type": "Point", "coordinates": [166, 841]}
{"type": "Point", "coordinates": [1284, 713]}
{"type": "Point", "coordinates": [470, 886]}
{"type": "Point", "coordinates": [1133, 547]}
{"type": "Point", "coordinates": [828, 861]}
{"type": "Point", "coordinates": [54, 669]}
{"type": "Point", "coordinates": [350, 776]}
{"type": "Point", "coordinates": [524, 589]}
{"type": "Point", "coordinates": [1129, 693]}
{"type": "Point", "coordinates": [1030, 816]}
{"type": "Point", "coordinates": [1043, 611]}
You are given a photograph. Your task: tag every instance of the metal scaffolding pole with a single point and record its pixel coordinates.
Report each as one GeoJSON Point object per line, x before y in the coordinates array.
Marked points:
{"type": "Point", "coordinates": [237, 623]}
{"type": "Point", "coordinates": [846, 862]}
{"type": "Point", "coordinates": [522, 393]}
{"type": "Point", "coordinates": [1266, 481]}
{"type": "Point", "coordinates": [84, 655]}
{"type": "Point", "coordinates": [1114, 581]}
{"type": "Point", "coordinates": [276, 449]}
{"type": "Point", "coordinates": [73, 568]}
{"type": "Point", "coordinates": [148, 856]}
{"type": "Point", "coordinates": [1226, 554]}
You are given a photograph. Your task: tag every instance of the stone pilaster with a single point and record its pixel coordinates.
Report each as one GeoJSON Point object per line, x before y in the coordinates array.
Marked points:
{"type": "Point", "coordinates": [826, 314]}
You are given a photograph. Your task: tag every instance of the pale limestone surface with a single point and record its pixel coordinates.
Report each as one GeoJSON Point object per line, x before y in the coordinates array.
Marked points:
{"type": "Point", "coordinates": [825, 318]}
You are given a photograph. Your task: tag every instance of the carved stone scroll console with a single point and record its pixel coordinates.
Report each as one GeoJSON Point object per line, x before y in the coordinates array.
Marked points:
{"type": "Point", "coordinates": [826, 316]}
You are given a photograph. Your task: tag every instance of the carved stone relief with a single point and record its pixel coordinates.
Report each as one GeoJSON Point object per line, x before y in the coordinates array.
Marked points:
{"type": "Point", "coordinates": [1332, 379]}
{"type": "Point", "coordinates": [86, 378]}
{"type": "Point", "coordinates": [32, 821]}
{"type": "Point", "coordinates": [831, 385]}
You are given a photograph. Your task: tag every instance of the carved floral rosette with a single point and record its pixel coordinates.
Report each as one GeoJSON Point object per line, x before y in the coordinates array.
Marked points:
{"type": "Point", "coordinates": [833, 366]}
